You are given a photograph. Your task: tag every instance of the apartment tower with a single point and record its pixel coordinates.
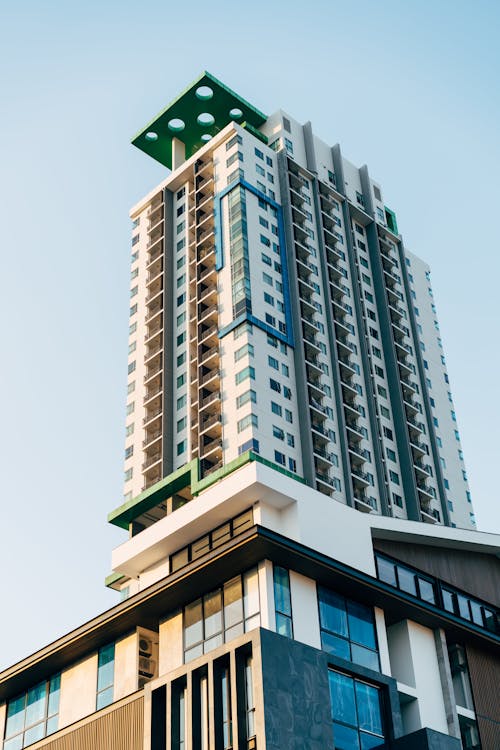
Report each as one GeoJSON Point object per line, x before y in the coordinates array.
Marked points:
{"type": "Point", "coordinates": [276, 314]}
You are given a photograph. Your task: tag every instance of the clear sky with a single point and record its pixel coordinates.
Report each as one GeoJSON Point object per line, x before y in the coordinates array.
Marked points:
{"type": "Point", "coordinates": [410, 88]}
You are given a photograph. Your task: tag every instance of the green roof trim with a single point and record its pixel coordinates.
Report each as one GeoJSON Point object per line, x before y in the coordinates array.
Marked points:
{"type": "Point", "coordinates": [113, 578]}
{"type": "Point", "coordinates": [186, 476]}
{"type": "Point", "coordinates": [154, 495]}
{"type": "Point", "coordinates": [181, 119]}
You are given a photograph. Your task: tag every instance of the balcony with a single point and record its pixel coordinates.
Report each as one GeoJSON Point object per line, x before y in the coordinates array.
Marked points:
{"type": "Point", "coordinates": [151, 437]}
{"type": "Point", "coordinates": [152, 416]}
{"type": "Point", "coordinates": [155, 253]}
{"type": "Point", "coordinates": [151, 460]}
{"type": "Point", "coordinates": [208, 377]}
{"type": "Point", "coordinates": [355, 429]}
{"type": "Point", "coordinates": [210, 447]}
{"type": "Point", "coordinates": [360, 476]}
{"type": "Point", "coordinates": [210, 422]}
{"type": "Point", "coordinates": [153, 371]}
{"type": "Point", "coordinates": [324, 455]}
{"type": "Point", "coordinates": [361, 453]}
{"type": "Point", "coordinates": [208, 332]}
{"type": "Point", "coordinates": [313, 403]}
{"type": "Point", "coordinates": [209, 354]}
{"type": "Point", "coordinates": [206, 273]}
{"type": "Point", "coordinates": [210, 400]}
{"type": "Point", "coordinates": [205, 312]}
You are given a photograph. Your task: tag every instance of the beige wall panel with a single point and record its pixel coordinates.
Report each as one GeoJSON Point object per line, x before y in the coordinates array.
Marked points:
{"type": "Point", "coordinates": [171, 653]}
{"type": "Point", "coordinates": [126, 666]}
{"type": "Point", "coordinates": [78, 691]}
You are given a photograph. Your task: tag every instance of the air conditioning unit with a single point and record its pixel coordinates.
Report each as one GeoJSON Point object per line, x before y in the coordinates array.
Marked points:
{"type": "Point", "coordinates": [147, 667]}
{"type": "Point", "coordinates": [145, 646]}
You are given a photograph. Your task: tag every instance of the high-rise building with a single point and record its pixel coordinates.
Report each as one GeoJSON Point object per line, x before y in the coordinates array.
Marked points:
{"type": "Point", "coordinates": [275, 313]}
{"type": "Point", "coordinates": [284, 355]}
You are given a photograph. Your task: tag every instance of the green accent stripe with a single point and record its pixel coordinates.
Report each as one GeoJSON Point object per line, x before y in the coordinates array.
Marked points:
{"type": "Point", "coordinates": [186, 476]}
{"type": "Point", "coordinates": [113, 578]}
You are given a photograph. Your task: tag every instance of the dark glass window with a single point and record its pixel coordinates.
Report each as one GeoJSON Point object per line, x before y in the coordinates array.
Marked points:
{"type": "Point", "coordinates": [356, 713]}
{"type": "Point", "coordinates": [283, 602]}
{"type": "Point", "coordinates": [33, 715]}
{"type": "Point", "coordinates": [347, 629]}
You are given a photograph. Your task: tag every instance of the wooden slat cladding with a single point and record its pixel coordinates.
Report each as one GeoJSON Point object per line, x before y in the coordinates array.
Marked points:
{"type": "Point", "coordinates": [484, 670]}
{"type": "Point", "coordinates": [476, 573]}
{"type": "Point", "coordinates": [118, 729]}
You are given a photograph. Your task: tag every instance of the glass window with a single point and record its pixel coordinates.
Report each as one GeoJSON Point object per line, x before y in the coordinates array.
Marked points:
{"type": "Point", "coordinates": [105, 675]}
{"type": "Point", "coordinates": [347, 629]}
{"type": "Point", "coordinates": [283, 602]}
{"type": "Point", "coordinates": [222, 614]}
{"type": "Point", "coordinates": [356, 713]}
{"type": "Point", "coordinates": [33, 715]}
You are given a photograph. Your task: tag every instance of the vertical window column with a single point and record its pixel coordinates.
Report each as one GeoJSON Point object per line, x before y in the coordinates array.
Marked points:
{"type": "Point", "coordinates": [283, 602]}
{"type": "Point", "coordinates": [105, 676]}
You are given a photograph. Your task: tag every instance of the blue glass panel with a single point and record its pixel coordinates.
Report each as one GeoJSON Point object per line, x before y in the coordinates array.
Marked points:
{"type": "Point", "coordinates": [104, 698]}
{"type": "Point", "coordinates": [16, 743]}
{"type": "Point", "coordinates": [342, 697]}
{"type": "Point", "coordinates": [54, 693]}
{"type": "Point", "coordinates": [35, 704]}
{"type": "Point", "coordinates": [370, 740]}
{"type": "Point", "coordinates": [335, 646]}
{"type": "Point", "coordinates": [15, 716]}
{"type": "Point", "coordinates": [282, 591]}
{"type": "Point", "coordinates": [407, 580]}
{"type": "Point", "coordinates": [212, 610]}
{"type": "Point", "coordinates": [368, 703]}
{"type": "Point", "coordinates": [361, 626]}
{"type": "Point", "coordinates": [345, 738]}
{"type": "Point", "coordinates": [106, 666]}
{"type": "Point", "coordinates": [426, 590]}
{"type": "Point", "coordinates": [34, 734]}
{"type": "Point", "coordinates": [365, 657]}
{"type": "Point", "coordinates": [332, 612]}
{"type": "Point", "coordinates": [386, 571]}
{"type": "Point", "coordinates": [284, 625]}
{"type": "Point", "coordinates": [52, 724]}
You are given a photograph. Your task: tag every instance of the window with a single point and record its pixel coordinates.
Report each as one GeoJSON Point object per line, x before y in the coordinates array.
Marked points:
{"type": "Point", "coordinates": [394, 477]}
{"type": "Point", "coordinates": [105, 675]}
{"type": "Point", "coordinates": [282, 602]}
{"type": "Point", "coordinates": [356, 712]}
{"type": "Point", "coordinates": [288, 416]}
{"type": "Point", "coordinates": [249, 396]}
{"type": "Point", "coordinates": [260, 170]}
{"type": "Point", "coordinates": [276, 408]}
{"type": "Point", "coordinates": [278, 432]}
{"type": "Point", "coordinates": [33, 715]}
{"type": "Point", "coordinates": [222, 614]}
{"type": "Point", "coordinates": [405, 578]}
{"type": "Point", "coordinates": [280, 458]}
{"type": "Point", "coordinates": [249, 420]}
{"type": "Point", "coordinates": [249, 445]}
{"type": "Point", "coordinates": [347, 629]}
{"type": "Point", "coordinates": [181, 447]}
{"type": "Point", "coordinates": [273, 362]}
{"type": "Point", "coordinates": [181, 424]}
{"type": "Point", "coordinates": [267, 279]}
{"type": "Point", "coordinates": [181, 402]}
{"type": "Point", "coordinates": [274, 385]}
{"type": "Point", "coordinates": [243, 351]}
{"type": "Point", "coordinates": [259, 154]}
{"type": "Point", "coordinates": [129, 430]}
{"type": "Point", "coordinates": [247, 372]}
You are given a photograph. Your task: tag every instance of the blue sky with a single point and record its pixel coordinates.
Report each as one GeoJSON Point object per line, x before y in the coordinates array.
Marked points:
{"type": "Point", "coordinates": [409, 88]}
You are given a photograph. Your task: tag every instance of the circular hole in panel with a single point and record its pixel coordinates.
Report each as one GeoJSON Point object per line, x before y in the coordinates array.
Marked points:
{"type": "Point", "coordinates": [236, 113]}
{"type": "Point", "coordinates": [205, 119]}
{"type": "Point", "coordinates": [204, 93]}
{"type": "Point", "coordinates": [176, 125]}
{"type": "Point", "coordinates": [206, 137]}
{"type": "Point", "coordinates": [151, 136]}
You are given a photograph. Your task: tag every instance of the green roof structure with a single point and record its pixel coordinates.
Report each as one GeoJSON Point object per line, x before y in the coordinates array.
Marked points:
{"type": "Point", "coordinates": [194, 117]}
